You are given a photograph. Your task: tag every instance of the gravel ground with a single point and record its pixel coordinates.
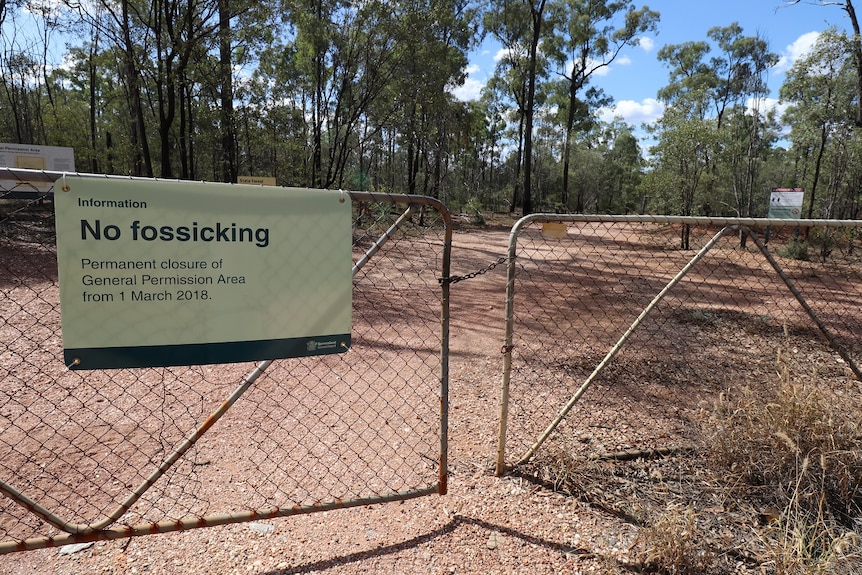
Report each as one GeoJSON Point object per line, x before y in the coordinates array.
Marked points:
{"type": "Point", "coordinates": [484, 525]}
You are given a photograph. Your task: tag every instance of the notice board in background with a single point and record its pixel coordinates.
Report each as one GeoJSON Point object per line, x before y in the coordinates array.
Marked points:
{"type": "Point", "coordinates": [157, 273]}
{"type": "Point", "coordinates": [31, 157]}
{"type": "Point", "coordinates": [786, 203]}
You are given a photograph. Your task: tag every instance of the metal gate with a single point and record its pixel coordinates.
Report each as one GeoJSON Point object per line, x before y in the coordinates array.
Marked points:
{"type": "Point", "coordinates": [618, 328]}
{"type": "Point", "coordinates": [107, 454]}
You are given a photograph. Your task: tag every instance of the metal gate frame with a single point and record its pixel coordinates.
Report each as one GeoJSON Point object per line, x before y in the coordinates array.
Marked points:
{"type": "Point", "coordinates": [745, 226]}
{"type": "Point", "coordinates": [106, 528]}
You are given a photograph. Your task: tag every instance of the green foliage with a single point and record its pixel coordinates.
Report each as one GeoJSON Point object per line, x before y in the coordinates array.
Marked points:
{"type": "Point", "coordinates": [473, 208]}
{"type": "Point", "coordinates": [795, 249]}
{"type": "Point", "coordinates": [316, 93]}
{"type": "Point", "coordinates": [821, 90]}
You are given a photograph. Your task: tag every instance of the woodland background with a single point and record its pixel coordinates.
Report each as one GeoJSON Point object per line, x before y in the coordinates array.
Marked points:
{"type": "Point", "coordinates": [357, 94]}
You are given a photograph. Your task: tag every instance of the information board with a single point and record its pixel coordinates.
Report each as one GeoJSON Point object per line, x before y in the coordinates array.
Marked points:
{"type": "Point", "coordinates": [156, 273]}
{"type": "Point", "coordinates": [31, 157]}
{"type": "Point", "coordinates": [786, 203]}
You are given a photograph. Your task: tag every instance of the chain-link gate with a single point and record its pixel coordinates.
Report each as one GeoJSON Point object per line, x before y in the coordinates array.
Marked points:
{"type": "Point", "coordinates": [107, 454]}
{"type": "Point", "coordinates": [620, 328]}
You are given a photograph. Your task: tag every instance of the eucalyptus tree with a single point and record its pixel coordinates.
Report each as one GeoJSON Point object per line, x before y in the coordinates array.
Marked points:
{"type": "Point", "coordinates": [741, 70]}
{"type": "Point", "coordinates": [116, 23]}
{"type": "Point", "coordinates": [855, 47]}
{"type": "Point", "coordinates": [496, 125]}
{"type": "Point", "coordinates": [622, 166]}
{"type": "Point", "coordinates": [24, 70]}
{"type": "Point", "coordinates": [20, 120]}
{"type": "Point", "coordinates": [820, 92]}
{"type": "Point", "coordinates": [684, 149]}
{"type": "Point", "coordinates": [156, 40]}
{"type": "Point", "coordinates": [506, 90]}
{"type": "Point", "coordinates": [346, 55]}
{"type": "Point", "coordinates": [84, 93]}
{"type": "Point", "coordinates": [434, 37]}
{"type": "Point", "coordinates": [685, 133]}
{"type": "Point", "coordinates": [709, 80]}
{"type": "Point", "coordinates": [592, 35]}
{"type": "Point", "coordinates": [520, 26]}
{"type": "Point", "coordinates": [745, 145]}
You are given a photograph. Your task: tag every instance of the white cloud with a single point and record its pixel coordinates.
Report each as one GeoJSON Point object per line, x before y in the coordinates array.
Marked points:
{"type": "Point", "coordinates": [765, 105]}
{"type": "Point", "coordinates": [471, 88]}
{"type": "Point", "coordinates": [798, 49]}
{"type": "Point", "coordinates": [634, 113]}
{"type": "Point", "coordinates": [599, 72]}
{"type": "Point", "coordinates": [646, 43]}
{"type": "Point", "coordinates": [501, 53]}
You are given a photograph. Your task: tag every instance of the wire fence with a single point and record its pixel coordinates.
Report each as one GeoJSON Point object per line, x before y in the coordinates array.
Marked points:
{"type": "Point", "coordinates": [621, 329]}
{"type": "Point", "coordinates": [105, 454]}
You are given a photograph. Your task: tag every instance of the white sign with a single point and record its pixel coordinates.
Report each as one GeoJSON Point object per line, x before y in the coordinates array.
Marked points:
{"type": "Point", "coordinates": [185, 273]}
{"type": "Point", "coordinates": [47, 158]}
{"type": "Point", "coordinates": [786, 203]}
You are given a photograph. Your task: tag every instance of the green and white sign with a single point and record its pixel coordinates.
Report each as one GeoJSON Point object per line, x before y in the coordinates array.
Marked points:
{"type": "Point", "coordinates": [786, 203]}
{"type": "Point", "coordinates": [183, 273]}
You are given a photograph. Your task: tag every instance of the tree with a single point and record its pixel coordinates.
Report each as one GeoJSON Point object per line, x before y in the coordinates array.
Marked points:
{"type": "Point", "coordinates": [621, 172]}
{"type": "Point", "coordinates": [685, 148]}
{"type": "Point", "coordinates": [438, 31]}
{"type": "Point", "coordinates": [710, 82]}
{"type": "Point", "coordinates": [593, 38]}
{"type": "Point", "coordinates": [520, 26]}
{"type": "Point", "coordinates": [820, 90]}
{"type": "Point", "coordinates": [856, 44]}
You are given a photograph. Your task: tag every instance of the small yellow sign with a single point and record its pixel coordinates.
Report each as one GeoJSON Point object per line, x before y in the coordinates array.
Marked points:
{"type": "Point", "coordinates": [30, 162]}
{"type": "Point", "coordinates": [256, 180]}
{"type": "Point", "coordinates": [555, 230]}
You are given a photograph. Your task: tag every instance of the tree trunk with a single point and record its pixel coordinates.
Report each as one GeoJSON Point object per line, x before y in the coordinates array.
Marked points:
{"type": "Point", "coordinates": [91, 69]}
{"type": "Point", "coordinates": [817, 165]}
{"type": "Point", "coordinates": [228, 131]}
{"type": "Point", "coordinates": [857, 58]}
{"type": "Point", "coordinates": [537, 15]}
{"type": "Point", "coordinates": [143, 163]}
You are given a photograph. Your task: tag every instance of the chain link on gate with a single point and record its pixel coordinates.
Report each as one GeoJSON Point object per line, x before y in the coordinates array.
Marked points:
{"type": "Point", "coordinates": [621, 328]}
{"type": "Point", "coordinates": [455, 279]}
{"type": "Point", "coordinates": [94, 455]}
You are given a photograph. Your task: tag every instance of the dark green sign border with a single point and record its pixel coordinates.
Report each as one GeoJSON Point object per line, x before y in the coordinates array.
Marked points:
{"type": "Point", "coordinates": [204, 353]}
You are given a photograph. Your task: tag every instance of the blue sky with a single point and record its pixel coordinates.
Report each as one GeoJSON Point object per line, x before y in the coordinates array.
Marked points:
{"type": "Point", "coordinates": [635, 78]}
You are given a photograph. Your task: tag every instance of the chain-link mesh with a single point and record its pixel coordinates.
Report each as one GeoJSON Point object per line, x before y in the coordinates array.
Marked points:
{"type": "Point", "coordinates": [111, 449]}
{"type": "Point", "coordinates": [577, 287]}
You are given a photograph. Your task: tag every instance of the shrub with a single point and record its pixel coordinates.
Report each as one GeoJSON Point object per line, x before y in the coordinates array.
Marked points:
{"type": "Point", "coordinates": [796, 250]}
{"type": "Point", "coordinates": [675, 545]}
{"type": "Point", "coordinates": [473, 208]}
{"type": "Point", "coordinates": [804, 452]}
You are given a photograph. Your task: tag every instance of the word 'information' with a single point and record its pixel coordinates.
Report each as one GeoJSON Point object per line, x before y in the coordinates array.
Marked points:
{"type": "Point", "coordinates": [183, 273]}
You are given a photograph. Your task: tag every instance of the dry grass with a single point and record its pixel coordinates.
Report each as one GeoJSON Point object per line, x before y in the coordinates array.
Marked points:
{"type": "Point", "coordinates": [675, 545]}
{"type": "Point", "coordinates": [806, 452]}
{"type": "Point", "coordinates": [798, 441]}
{"type": "Point", "coordinates": [774, 487]}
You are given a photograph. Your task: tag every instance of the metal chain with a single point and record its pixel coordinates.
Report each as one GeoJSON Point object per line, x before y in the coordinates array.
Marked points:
{"type": "Point", "coordinates": [455, 279]}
